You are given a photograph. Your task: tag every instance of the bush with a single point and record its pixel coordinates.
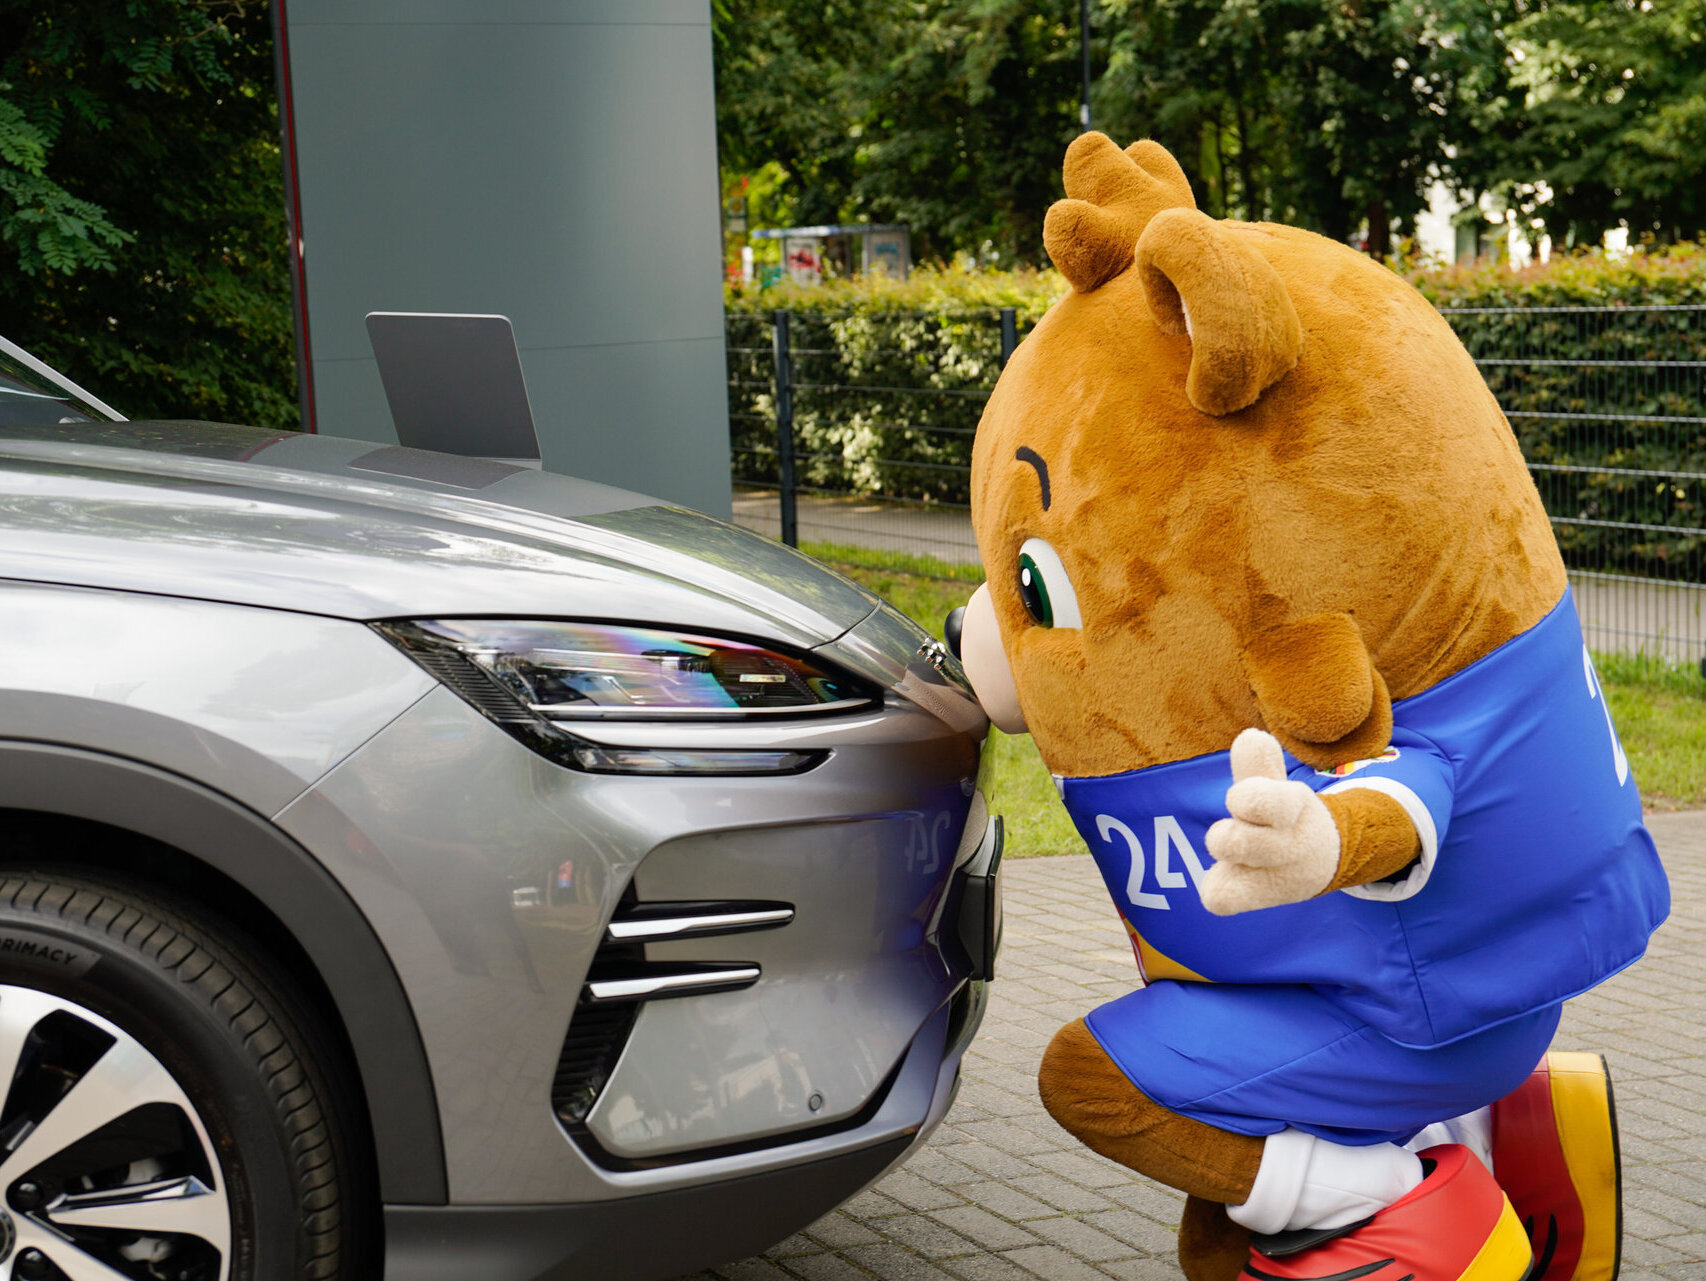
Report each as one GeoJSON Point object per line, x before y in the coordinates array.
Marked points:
{"type": "Point", "coordinates": [1667, 276]}
{"type": "Point", "coordinates": [890, 377]}
{"type": "Point", "coordinates": [1603, 389]}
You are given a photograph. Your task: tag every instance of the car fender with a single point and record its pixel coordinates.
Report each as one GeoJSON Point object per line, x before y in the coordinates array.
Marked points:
{"type": "Point", "coordinates": [257, 704]}
{"type": "Point", "coordinates": [289, 882]}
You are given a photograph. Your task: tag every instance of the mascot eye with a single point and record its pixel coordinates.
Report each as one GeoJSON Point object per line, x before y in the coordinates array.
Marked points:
{"type": "Point", "coordinates": [1044, 587]}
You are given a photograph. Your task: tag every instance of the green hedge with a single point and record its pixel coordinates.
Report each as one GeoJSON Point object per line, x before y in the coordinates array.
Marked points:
{"type": "Point", "coordinates": [1610, 438]}
{"type": "Point", "coordinates": [895, 375]}
{"type": "Point", "coordinates": [890, 377]}
{"type": "Point", "coordinates": [1668, 276]}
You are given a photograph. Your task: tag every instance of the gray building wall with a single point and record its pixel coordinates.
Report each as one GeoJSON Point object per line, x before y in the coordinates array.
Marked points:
{"type": "Point", "coordinates": [554, 161]}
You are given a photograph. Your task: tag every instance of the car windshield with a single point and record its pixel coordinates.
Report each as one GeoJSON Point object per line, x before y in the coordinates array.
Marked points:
{"type": "Point", "coordinates": [29, 399]}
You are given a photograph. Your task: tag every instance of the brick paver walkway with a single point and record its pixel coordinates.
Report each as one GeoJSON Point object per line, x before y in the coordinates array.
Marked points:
{"type": "Point", "coordinates": [1002, 1194]}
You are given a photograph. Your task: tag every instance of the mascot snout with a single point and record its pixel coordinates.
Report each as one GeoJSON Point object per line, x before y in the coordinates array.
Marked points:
{"type": "Point", "coordinates": [976, 641]}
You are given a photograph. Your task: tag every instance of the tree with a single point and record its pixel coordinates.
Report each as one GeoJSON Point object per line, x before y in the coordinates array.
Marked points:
{"type": "Point", "coordinates": [1614, 121]}
{"type": "Point", "coordinates": [1318, 112]}
{"type": "Point", "coordinates": [1392, 94]}
{"type": "Point", "coordinates": [141, 204]}
{"type": "Point", "coordinates": [948, 115]}
{"type": "Point", "coordinates": [968, 120]}
{"type": "Point", "coordinates": [790, 93]}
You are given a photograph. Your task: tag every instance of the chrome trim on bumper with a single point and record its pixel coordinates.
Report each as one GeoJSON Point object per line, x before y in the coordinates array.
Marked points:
{"type": "Point", "coordinates": [679, 982]}
{"type": "Point", "coordinates": [641, 929]}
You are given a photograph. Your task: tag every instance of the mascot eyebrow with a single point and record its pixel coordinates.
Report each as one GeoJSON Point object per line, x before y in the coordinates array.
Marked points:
{"type": "Point", "coordinates": [1028, 455]}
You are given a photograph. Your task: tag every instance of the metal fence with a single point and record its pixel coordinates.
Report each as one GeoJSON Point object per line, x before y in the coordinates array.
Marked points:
{"type": "Point", "coordinates": [1609, 406]}
{"type": "Point", "coordinates": [853, 430]}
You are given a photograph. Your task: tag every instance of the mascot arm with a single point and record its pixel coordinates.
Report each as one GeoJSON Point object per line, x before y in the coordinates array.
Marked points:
{"type": "Point", "coordinates": [1377, 840]}
{"type": "Point", "coordinates": [1284, 841]}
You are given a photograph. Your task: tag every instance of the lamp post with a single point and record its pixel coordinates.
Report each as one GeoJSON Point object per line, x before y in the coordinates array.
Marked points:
{"type": "Point", "coordinates": [1084, 49]}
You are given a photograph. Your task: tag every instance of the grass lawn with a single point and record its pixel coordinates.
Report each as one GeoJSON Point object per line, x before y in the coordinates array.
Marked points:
{"type": "Point", "coordinates": [1660, 709]}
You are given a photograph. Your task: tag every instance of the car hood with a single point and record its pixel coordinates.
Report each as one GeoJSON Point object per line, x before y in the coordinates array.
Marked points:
{"type": "Point", "coordinates": [343, 527]}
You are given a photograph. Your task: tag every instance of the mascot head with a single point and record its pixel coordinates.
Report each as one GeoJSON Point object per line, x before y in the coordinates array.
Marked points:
{"type": "Point", "coordinates": [1241, 475]}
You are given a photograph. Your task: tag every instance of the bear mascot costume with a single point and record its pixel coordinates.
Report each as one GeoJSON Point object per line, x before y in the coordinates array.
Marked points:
{"type": "Point", "coordinates": [1270, 586]}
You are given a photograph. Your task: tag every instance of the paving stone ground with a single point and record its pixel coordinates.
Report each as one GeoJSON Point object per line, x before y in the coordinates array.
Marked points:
{"type": "Point", "coordinates": [1000, 1193]}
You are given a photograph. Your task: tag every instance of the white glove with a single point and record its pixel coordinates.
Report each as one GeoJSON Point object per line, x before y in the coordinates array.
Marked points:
{"type": "Point", "coordinates": [1280, 845]}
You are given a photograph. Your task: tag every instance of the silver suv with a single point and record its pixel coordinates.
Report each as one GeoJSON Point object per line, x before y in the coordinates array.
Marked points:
{"type": "Point", "coordinates": [424, 867]}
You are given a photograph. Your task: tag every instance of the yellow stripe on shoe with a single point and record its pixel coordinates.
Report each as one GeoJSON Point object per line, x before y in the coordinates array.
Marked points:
{"type": "Point", "coordinates": [1505, 1256]}
{"type": "Point", "coordinates": [1587, 1128]}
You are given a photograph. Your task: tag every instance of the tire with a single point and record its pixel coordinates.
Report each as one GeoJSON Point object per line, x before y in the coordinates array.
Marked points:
{"type": "Point", "coordinates": [220, 1147]}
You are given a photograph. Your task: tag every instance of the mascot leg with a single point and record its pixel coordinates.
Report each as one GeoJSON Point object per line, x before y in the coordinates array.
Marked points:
{"type": "Point", "coordinates": [1093, 1100]}
{"type": "Point", "coordinates": [1211, 1246]}
{"type": "Point", "coordinates": [1085, 1091]}
{"type": "Point", "coordinates": [1291, 1204]}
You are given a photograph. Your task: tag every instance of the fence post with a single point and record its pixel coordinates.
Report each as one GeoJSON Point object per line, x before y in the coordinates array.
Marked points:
{"type": "Point", "coordinates": [785, 427]}
{"type": "Point", "coordinates": [1009, 334]}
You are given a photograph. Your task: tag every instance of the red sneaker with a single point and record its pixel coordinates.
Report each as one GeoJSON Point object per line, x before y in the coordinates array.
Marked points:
{"type": "Point", "coordinates": [1555, 1155]}
{"type": "Point", "coordinates": [1456, 1225]}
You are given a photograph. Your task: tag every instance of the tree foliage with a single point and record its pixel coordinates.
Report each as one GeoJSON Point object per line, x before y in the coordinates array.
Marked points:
{"type": "Point", "coordinates": [966, 123]}
{"type": "Point", "coordinates": [949, 115]}
{"type": "Point", "coordinates": [142, 239]}
{"type": "Point", "coordinates": [1310, 111]}
{"type": "Point", "coordinates": [1335, 114]}
{"type": "Point", "coordinates": [1614, 125]}
{"type": "Point", "coordinates": [788, 92]}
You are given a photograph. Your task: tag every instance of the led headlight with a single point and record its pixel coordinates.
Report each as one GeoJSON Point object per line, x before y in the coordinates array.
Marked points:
{"type": "Point", "coordinates": [538, 679]}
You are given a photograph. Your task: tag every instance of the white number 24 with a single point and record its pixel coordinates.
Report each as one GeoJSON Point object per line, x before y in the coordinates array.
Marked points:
{"type": "Point", "coordinates": [1168, 836]}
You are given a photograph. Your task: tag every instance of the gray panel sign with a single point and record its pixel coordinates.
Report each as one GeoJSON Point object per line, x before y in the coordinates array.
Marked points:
{"type": "Point", "coordinates": [454, 383]}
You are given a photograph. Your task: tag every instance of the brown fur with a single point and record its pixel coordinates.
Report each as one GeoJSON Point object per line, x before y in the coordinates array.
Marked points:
{"type": "Point", "coordinates": [1376, 837]}
{"type": "Point", "coordinates": [1399, 498]}
{"type": "Point", "coordinates": [1318, 690]}
{"type": "Point", "coordinates": [1245, 334]}
{"type": "Point", "coordinates": [1111, 196]}
{"type": "Point", "coordinates": [1298, 509]}
{"type": "Point", "coordinates": [1211, 1246]}
{"type": "Point", "coordinates": [1086, 1092]}
{"type": "Point", "coordinates": [1092, 1099]}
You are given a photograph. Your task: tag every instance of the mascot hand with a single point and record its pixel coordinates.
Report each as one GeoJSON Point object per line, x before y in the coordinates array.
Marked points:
{"type": "Point", "coordinates": [1280, 845]}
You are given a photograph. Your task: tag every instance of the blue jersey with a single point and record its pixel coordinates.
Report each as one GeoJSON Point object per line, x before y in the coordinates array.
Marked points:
{"type": "Point", "coordinates": [1536, 880]}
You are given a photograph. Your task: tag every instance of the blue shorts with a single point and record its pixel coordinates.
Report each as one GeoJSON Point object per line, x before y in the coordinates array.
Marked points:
{"type": "Point", "coordinates": [1255, 1059]}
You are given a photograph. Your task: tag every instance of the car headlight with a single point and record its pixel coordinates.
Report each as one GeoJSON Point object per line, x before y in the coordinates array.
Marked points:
{"type": "Point", "coordinates": [537, 679]}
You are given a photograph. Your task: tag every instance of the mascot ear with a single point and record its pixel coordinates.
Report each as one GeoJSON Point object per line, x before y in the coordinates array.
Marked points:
{"type": "Point", "coordinates": [1204, 279]}
{"type": "Point", "coordinates": [1318, 690]}
{"type": "Point", "coordinates": [1110, 197]}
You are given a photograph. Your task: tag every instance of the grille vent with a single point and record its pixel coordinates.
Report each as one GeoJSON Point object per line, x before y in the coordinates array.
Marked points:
{"type": "Point", "coordinates": [595, 1040]}
{"type": "Point", "coordinates": [602, 1022]}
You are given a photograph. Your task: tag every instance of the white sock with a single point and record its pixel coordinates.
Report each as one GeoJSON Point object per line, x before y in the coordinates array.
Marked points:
{"type": "Point", "coordinates": [1474, 1130]}
{"type": "Point", "coordinates": [1306, 1182]}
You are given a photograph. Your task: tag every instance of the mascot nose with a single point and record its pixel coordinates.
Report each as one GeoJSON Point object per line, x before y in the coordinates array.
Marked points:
{"type": "Point", "coordinates": [986, 665]}
{"type": "Point", "coordinates": [956, 620]}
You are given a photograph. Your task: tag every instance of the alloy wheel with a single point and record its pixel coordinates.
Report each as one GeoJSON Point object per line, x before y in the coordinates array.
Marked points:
{"type": "Point", "coordinates": [107, 1172]}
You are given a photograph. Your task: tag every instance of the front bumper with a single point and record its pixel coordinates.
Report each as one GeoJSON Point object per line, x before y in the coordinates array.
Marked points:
{"type": "Point", "coordinates": [490, 874]}
{"type": "Point", "coordinates": [678, 1232]}
{"type": "Point", "coordinates": [665, 1234]}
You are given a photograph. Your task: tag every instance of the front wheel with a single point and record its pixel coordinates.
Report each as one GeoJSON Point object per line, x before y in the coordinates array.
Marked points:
{"type": "Point", "coordinates": [170, 1115]}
